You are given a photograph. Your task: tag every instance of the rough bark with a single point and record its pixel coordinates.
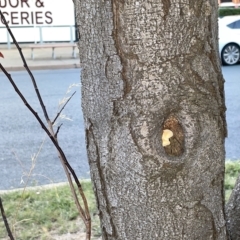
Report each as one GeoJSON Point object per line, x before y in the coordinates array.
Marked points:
{"type": "Point", "coordinates": [150, 65]}
{"type": "Point", "coordinates": [233, 212]}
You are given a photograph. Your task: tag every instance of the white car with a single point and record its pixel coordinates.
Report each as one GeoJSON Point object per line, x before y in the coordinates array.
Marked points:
{"type": "Point", "coordinates": [228, 5]}
{"type": "Point", "coordinates": [229, 39]}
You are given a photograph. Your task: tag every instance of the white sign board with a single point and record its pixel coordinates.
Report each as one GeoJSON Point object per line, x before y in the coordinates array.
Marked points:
{"type": "Point", "coordinates": [27, 16]}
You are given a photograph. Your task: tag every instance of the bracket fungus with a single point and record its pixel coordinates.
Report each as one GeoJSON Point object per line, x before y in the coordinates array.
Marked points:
{"type": "Point", "coordinates": [165, 137]}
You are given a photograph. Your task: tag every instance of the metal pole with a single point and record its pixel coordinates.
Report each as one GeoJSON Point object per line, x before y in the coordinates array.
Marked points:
{"type": "Point", "coordinates": [71, 34]}
{"type": "Point", "coordinates": [40, 32]}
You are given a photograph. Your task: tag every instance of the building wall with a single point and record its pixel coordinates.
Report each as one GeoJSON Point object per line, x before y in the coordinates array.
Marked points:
{"type": "Point", "coordinates": [225, 1]}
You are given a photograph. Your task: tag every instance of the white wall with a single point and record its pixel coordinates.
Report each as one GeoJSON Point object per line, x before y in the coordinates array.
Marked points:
{"type": "Point", "coordinates": [35, 13]}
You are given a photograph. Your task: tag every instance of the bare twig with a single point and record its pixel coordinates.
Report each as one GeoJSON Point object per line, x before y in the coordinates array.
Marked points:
{"type": "Point", "coordinates": [57, 131]}
{"type": "Point", "coordinates": [6, 221]}
{"type": "Point", "coordinates": [58, 114]}
{"type": "Point", "coordinates": [27, 179]}
{"type": "Point", "coordinates": [84, 212]}
{"type": "Point", "coordinates": [25, 65]}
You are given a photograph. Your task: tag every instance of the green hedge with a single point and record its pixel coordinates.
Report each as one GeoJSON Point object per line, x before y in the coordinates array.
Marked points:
{"type": "Point", "coordinates": [228, 11]}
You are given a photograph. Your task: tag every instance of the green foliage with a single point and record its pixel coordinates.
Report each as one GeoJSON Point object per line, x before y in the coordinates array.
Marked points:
{"type": "Point", "coordinates": [222, 12]}
{"type": "Point", "coordinates": [232, 170]}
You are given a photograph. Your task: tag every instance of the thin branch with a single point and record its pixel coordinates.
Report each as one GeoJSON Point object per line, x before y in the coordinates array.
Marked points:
{"type": "Point", "coordinates": [26, 66]}
{"type": "Point", "coordinates": [5, 220]}
{"type": "Point", "coordinates": [58, 114]}
{"type": "Point", "coordinates": [55, 135]}
{"type": "Point", "coordinates": [44, 128]}
{"type": "Point", "coordinates": [84, 213]}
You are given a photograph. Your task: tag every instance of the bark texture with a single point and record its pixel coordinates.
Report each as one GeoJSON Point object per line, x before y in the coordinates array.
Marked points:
{"type": "Point", "coordinates": [150, 65]}
{"type": "Point", "coordinates": [233, 212]}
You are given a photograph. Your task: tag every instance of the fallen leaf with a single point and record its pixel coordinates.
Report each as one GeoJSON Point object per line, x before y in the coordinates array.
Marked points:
{"type": "Point", "coordinates": [1, 55]}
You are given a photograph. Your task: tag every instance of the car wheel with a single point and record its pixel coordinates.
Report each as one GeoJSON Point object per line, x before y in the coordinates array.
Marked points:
{"type": "Point", "coordinates": [230, 54]}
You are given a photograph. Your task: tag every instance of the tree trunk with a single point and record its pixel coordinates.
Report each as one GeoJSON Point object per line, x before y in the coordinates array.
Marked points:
{"type": "Point", "coordinates": [148, 66]}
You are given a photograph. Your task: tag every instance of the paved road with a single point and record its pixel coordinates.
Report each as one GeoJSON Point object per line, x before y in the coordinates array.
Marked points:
{"type": "Point", "coordinates": [232, 95]}
{"type": "Point", "coordinates": [21, 136]}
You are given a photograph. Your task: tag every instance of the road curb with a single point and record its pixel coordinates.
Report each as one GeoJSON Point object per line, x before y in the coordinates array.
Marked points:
{"type": "Point", "coordinates": [41, 187]}
{"type": "Point", "coordinates": [43, 67]}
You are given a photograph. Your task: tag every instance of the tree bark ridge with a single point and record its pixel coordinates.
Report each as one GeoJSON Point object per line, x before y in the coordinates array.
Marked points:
{"type": "Point", "coordinates": [233, 212]}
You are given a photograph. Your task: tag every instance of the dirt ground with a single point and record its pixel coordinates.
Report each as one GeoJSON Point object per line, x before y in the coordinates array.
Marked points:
{"type": "Point", "coordinates": [67, 236]}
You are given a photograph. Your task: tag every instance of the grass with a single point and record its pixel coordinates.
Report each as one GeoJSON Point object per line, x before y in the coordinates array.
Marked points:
{"type": "Point", "coordinates": [37, 214]}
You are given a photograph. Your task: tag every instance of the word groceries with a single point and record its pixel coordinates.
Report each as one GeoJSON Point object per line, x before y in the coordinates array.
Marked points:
{"type": "Point", "coordinates": [25, 12]}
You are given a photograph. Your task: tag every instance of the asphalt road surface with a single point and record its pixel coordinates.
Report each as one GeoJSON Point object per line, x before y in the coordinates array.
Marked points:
{"type": "Point", "coordinates": [232, 97]}
{"type": "Point", "coordinates": [22, 139]}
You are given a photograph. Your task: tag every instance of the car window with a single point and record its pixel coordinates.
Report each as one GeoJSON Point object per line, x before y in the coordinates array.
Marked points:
{"type": "Point", "coordinates": [234, 25]}
{"type": "Point", "coordinates": [237, 24]}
